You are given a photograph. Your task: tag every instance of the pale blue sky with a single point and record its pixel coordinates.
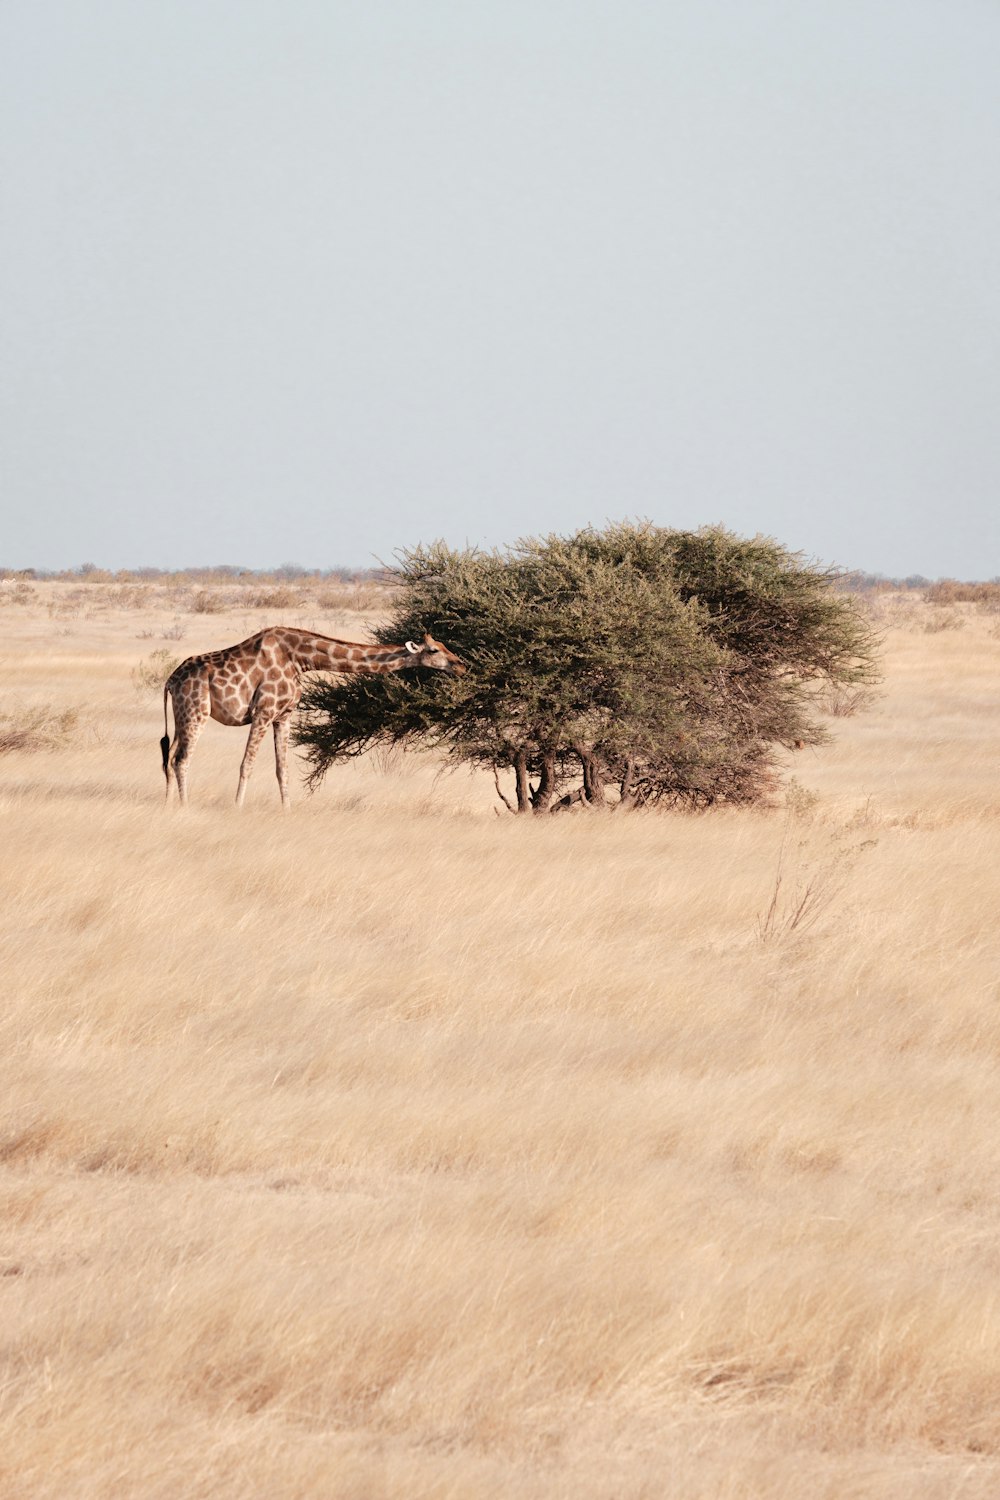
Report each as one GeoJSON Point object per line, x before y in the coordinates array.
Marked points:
{"type": "Point", "coordinates": [312, 280]}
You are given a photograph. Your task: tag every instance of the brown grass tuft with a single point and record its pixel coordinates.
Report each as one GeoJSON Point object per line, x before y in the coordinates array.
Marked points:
{"type": "Point", "coordinates": [40, 727]}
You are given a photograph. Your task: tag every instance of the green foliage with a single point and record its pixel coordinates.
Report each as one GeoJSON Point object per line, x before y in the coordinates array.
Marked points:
{"type": "Point", "coordinates": [670, 662]}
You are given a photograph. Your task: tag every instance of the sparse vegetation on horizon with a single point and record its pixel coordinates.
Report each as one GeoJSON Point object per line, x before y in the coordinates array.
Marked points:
{"type": "Point", "coordinates": [325, 596]}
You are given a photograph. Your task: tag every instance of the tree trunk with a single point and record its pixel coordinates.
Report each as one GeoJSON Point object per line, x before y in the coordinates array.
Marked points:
{"type": "Point", "coordinates": [546, 788]}
{"type": "Point", "coordinates": [523, 785]}
{"type": "Point", "coordinates": [593, 782]}
{"type": "Point", "coordinates": [627, 798]}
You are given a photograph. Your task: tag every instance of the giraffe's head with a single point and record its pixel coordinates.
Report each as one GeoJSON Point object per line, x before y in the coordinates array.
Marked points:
{"type": "Point", "coordinates": [431, 653]}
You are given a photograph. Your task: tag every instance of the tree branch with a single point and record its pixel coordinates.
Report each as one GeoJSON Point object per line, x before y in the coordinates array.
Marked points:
{"type": "Point", "coordinates": [505, 800]}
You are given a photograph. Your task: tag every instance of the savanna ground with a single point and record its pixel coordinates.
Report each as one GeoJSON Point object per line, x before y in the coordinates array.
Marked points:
{"type": "Point", "coordinates": [392, 1148]}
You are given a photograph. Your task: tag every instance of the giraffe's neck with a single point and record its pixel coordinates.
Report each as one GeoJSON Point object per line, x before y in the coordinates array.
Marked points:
{"type": "Point", "coordinates": [316, 653]}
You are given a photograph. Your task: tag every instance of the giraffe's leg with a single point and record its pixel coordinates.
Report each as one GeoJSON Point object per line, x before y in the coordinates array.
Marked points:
{"type": "Point", "coordinates": [258, 729]}
{"type": "Point", "coordinates": [188, 732]}
{"type": "Point", "coordinates": [281, 731]}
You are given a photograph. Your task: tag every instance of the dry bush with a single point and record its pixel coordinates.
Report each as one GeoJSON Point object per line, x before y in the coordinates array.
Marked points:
{"type": "Point", "coordinates": [40, 727]}
{"type": "Point", "coordinates": [128, 596]}
{"type": "Point", "coordinates": [91, 575]}
{"type": "Point", "coordinates": [21, 593]}
{"type": "Point", "coordinates": [801, 802]}
{"type": "Point", "coordinates": [175, 596]}
{"type": "Point", "coordinates": [806, 883]}
{"type": "Point", "coordinates": [174, 632]}
{"type": "Point", "coordinates": [842, 701]}
{"type": "Point", "coordinates": [208, 602]}
{"type": "Point", "coordinates": [947, 619]}
{"type": "Point", "coordinates": [354, 598]}
{"type": "Point", "coordinates": [796, 908]}
{"type": "Point", "coordinates": [279, 597]}
{"type": "Point", "coordinates": [61, 607]}
{"type": "Point", "coordinates": [901, 610]}
{"type": "Point", "coordinates": [153, 671]}
{"type": "Point", "coordinates": [950, 591]}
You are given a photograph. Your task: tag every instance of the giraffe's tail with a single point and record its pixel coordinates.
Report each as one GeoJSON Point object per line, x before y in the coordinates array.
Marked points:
{"type": "Point", "coordinates": [165, 742]}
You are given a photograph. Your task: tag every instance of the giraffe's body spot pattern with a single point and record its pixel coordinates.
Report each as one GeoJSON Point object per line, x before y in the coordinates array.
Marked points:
{"type": "Point", "coordinates": [259, 682]}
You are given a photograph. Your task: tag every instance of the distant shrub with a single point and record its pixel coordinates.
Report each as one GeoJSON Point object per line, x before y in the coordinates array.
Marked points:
{"type": "Point", "coordinates": [855, 582]}
{"type": "Point", "coordinates": [356, 597]}
{"type": "Point", "coordinates": [948, 591]}
{"type": "Point", "coordinates": [206, 603]}
{"type": "Point", "coordinates": [898, 611]}
{"type": "Point", "coordinates": [38, 728]}
{"type": "Point", "coordinates": [128, 596]}
{"type": "Point", "coordinates": [62, 608]}
{"type": "Point", "coordinates": [946, 620]}
{"type": "Point", "coordinates": [276, 598]}
{"type": "Point", "coordinates": [153, 671]}
{"type": "Point", "coordinates": [21, 593]}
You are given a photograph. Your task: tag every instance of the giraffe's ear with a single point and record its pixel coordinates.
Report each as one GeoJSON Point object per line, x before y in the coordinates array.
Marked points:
{"type": "Point", "coordinates": [413, 650]}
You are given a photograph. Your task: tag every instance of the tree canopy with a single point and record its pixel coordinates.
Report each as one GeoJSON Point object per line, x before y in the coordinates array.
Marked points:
{"type": "Point", "coordinates": [636, 664]}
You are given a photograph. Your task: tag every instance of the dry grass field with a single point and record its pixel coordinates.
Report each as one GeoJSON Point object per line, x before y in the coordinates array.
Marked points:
{"type": "Point", "coordinates": [394, 1149]}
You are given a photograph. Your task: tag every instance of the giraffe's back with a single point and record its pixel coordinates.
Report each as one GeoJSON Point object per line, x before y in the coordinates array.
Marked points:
{"type": "Point", "coordinates": [232, 684]}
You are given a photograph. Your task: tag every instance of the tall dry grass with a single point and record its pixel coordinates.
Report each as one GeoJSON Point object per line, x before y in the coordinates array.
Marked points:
{"type": "Point", "coordinates": [396, 1149]}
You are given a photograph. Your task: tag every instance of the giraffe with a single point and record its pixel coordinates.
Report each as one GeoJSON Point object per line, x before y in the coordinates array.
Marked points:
{"type": "Point", "coordinates": [259, 682]}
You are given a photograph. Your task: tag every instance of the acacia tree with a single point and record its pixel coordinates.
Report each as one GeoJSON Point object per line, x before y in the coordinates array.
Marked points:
{"type": "Point", "coordinates": [657, 665]}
